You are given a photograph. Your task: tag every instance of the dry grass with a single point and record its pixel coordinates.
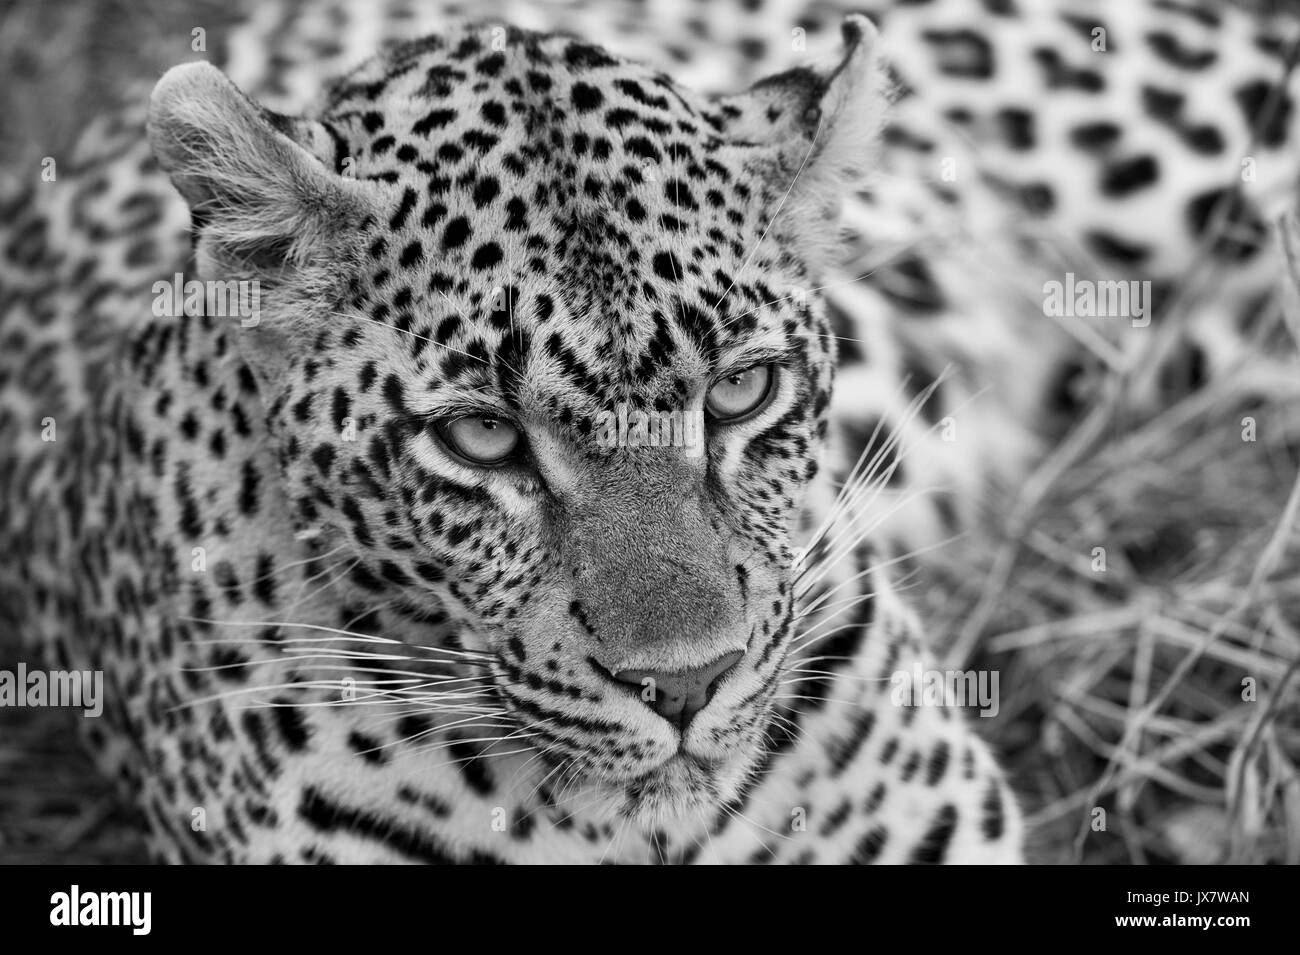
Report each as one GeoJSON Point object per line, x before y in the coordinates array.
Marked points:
{"type": "Point", "coordinates": [1161, 686]}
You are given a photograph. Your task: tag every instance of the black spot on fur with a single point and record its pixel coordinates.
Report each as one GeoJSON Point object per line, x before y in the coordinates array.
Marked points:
{"type": "Point", "coordinates": [937, 764]}
{"type": "Point", "coordinates": [1057, 74]}
{"type": "Point", "coordinates": [870, 846]}
{"type": "Point", "coordinates": [1169, 48]}
{"type": "Point", "coordinates": [933, 846]}
{"type": "Point", "coordinates": [367, 747]}
{"type": "Point", "coordinates": [586, 97]}
{"type": "Point", "coordinates": [1114, 249]}
{"type": "Point", "coordinates": [291, 726]}
{"type": "Point", "coordinates": [1267, 109]}
{"type": "Point", "coordinates": [1183, 372]}
{"type": "Point", "coordinates": [486, 255]}
{"type": "Point", "coordinates": [455, 233]}
{"type": "Point", "coordinates": [993, 818]}
{"type": "Point", "coordinates": [1166, 107]}
{"type": "Point", "coordinates": [1229, 222]}
{"type": "Point", "coordinates": [473, 769]}
{"type": "Point", "coordinates": [908, 282]}
{"type": "Point", "coordinates": [403, 210]}
{"type": "Point", "coordinates": [1095, 137]}
{"type": "Point", "coordinates": [1017, 128]}
{"type": "Point", "coordinates": [963, 53]}
{"type": "Point", "coordinates": [326, 815]}
{"type": "Point", "coordinates": [666, 266]}
{"type": "Point", "coordinates": [1125, 176]}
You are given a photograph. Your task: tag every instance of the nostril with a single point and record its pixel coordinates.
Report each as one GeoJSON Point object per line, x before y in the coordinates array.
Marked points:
{"type": "Point", "coordinates": [677, 696]}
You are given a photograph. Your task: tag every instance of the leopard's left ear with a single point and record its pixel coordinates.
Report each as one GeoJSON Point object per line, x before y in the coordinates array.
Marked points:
{"type": "Point", "coordinates": [820, 128]}
{"type": "Point", "coordinates": [261, 184]}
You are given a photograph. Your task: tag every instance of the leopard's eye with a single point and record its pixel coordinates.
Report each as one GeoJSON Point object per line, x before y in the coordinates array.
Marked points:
{"type": "Point", "coordinates": [737, 396]}
{"type": "Point", "coordinates": [481, 439]}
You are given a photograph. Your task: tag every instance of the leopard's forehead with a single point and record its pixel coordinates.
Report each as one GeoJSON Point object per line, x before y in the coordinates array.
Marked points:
{"type": "Point", "coordinates": [548, 198]}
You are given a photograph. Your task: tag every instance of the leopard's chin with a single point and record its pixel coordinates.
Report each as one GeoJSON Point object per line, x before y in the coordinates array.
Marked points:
{"type": "Point", "coordinates": [680, 789]}
{"type": "Point", "coordinates": [683, 789]}
{"type": "Point", "coordinates": [690, 783]}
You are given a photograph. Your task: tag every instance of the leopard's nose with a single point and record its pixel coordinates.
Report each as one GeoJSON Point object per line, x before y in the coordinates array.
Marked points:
{"type": "Point", "coordinates": [678, 696]}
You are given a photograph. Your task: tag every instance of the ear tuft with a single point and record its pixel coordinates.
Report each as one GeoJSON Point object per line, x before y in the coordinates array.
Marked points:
{"type": "Point", "coordinates": [821, 128]}
{"type": "Point", "coordinates": [852, 111]}
{"type": "Point", "coordinates": [253, 179]}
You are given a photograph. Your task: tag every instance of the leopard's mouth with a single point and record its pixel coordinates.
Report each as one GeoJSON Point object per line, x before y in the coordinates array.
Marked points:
{"type": "Point", "coordinates": [639, 764]}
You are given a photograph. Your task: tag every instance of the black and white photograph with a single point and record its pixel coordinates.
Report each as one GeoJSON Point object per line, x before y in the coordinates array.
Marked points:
{"type": "Point", "coordinates": [668, 432]}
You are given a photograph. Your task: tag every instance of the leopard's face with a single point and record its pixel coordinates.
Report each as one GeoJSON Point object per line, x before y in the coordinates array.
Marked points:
{"type": "Point", "coordinates": [555, 370]}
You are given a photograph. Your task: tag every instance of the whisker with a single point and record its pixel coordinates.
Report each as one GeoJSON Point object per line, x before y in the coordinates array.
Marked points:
{"type": "Point", "coordinates": [344, 634]}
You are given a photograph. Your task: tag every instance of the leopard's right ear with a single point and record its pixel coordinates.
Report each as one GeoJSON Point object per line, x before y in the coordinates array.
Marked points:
{"type": "Point", "coordinates": [817, 129]}
{"type": "Point", "coordinates": [260, 185]}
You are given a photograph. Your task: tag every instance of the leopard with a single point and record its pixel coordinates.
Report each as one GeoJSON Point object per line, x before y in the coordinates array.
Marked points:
{"type": "Point", "coordinates": [371, 563]}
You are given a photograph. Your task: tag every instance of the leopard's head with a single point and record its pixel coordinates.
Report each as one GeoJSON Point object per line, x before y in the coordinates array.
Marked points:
{"type": "Point", "coordinates": [540, 348]}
